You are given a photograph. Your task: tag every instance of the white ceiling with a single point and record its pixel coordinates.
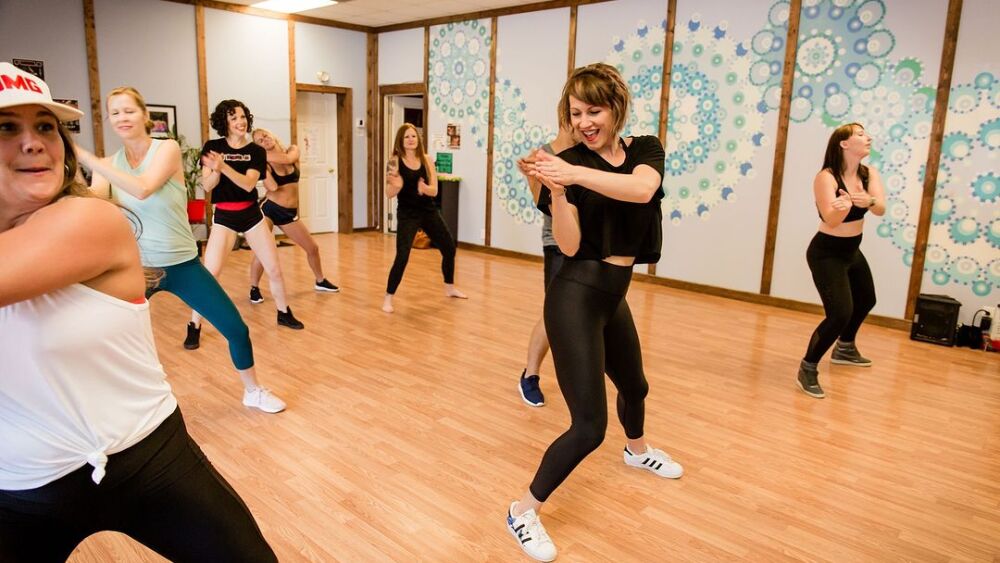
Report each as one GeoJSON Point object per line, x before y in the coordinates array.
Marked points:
{"type": "Point", "coordinates": [378, 13]}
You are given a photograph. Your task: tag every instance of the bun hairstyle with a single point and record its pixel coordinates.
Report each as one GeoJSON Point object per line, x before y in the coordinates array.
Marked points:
{"type": "Point", "coordinates": [139, 101]}
{"type": "Point", "coordinates": [223, 111]}
{"type": "Point", "coordinates": [598, 84]}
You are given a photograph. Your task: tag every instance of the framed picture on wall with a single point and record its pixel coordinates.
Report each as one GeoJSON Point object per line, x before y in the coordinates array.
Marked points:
{"type": "Point", "coordinates": [72, 126]}
{"type": "Point", "coordinates": [164, 120]}
{"type": "Point", "coordinates": [31, 65]}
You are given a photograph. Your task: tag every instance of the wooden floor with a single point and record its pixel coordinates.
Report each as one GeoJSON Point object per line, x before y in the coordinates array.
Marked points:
{"type": "Point", "coordinates": [405, 438]}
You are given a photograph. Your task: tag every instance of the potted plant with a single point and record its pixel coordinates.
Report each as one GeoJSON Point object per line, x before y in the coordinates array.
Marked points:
{"type": "Point", "coordinates": [191, 157]}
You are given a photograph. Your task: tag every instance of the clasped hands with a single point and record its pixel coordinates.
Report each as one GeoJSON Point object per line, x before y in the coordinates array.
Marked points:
{"type": "Point", "coordinates": [550, 170]}
{"type": "Point", "coordinates": [845, 200]}
{"type": "Point", "coordinates": [212, 160]}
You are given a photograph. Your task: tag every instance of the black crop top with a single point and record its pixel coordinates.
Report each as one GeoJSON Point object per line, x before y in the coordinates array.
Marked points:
{"type": "Point", "coordinates": [249, 157]}
{"type": "Point", "coordinates": [609, 227]}
{"type": "Point", "coordinates": [291, 178]}
{"type": "Point", "coordinates": [856, 213]}
{"type": "Point", "coordinates": [409, 198]}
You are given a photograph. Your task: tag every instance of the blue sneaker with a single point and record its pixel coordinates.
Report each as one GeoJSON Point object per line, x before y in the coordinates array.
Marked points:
{"type": "Point", "coordinates": [531, 393]}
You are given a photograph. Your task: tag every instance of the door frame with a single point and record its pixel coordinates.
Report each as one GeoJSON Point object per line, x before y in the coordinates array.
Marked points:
{"type": "Point", "coordinates": [378, 187]}
{"type": "Point", "coordinates": [345, 148]}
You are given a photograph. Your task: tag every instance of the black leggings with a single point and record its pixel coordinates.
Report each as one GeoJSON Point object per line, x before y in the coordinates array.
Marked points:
{"type": "Point", "coordinates": [432, 224]}
{"type": "Point", "coordinates": [162, 492]}
{"type": "Point", "coordinates": [845, 285]}
{"type": "Point", "coordinates": [591, 332]}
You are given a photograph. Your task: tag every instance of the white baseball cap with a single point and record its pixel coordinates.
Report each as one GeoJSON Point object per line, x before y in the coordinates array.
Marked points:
{"type": "Point", "coordinates": [19, 88]}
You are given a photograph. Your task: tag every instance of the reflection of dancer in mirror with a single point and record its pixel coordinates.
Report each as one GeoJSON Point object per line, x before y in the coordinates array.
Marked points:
{"type": "Point", "coordinates": [604, 197]}
{"type": "Point", "coordinates": [231, 166]}
{"type": "Point", "coordinates": [538, 345]}
{"type": "Point", "coordinates": [147, 176]}
{"type": "Point", "coordinates": [282, 209]}
{"type": "Point", "coordinates": [845, 190]}
{"type": "Point", "coordinates": [91, 434]}
{"type": "Point", "coordinates": [410, 177]}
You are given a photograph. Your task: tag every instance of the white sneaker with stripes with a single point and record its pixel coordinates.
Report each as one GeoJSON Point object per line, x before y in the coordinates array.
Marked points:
{"type": "Point", "coordinates": [656, 461]}
{"type": "Point", "coordinates": [527, 529]}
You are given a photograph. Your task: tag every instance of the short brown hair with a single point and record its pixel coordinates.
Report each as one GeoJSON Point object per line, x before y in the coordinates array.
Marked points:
{"type": "Point", "coordinates": [598, 84]}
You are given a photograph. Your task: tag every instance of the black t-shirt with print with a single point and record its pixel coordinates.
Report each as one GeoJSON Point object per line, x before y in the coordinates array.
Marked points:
{"type": "Point", "coordinates": [250, 157]}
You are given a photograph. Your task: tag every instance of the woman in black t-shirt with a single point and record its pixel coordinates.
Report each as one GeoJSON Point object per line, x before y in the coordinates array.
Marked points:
{"type": "Point", "coordinates": [231, 167]}
{"type": "Point", "coordinates": [604, 198]}
{"type": "Point", "coordinates": [411, 178]}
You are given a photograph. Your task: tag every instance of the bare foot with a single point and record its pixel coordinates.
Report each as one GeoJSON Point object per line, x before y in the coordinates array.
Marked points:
{"type": "Point", "coordinates": [387, 304]}
{"type": "Point", "coordinates": [452, 291]}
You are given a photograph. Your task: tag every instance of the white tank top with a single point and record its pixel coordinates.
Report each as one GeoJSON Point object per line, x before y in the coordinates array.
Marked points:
{"type": "Point", "coordinates": [79, 380]}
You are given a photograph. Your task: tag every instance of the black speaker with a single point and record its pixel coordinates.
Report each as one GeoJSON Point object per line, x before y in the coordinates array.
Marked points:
{"type": "Point", "coordinates": [935, 319]}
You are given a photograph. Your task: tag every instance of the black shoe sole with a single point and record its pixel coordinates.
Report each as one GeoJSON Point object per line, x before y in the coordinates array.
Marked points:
{"type": "Point", "coordinates": [850, 363]}
{"type": "Point", "coordinates": [192, 346]}
{"type": "Point", "coordinates": [299, 326]}
{"type": "Point", "coordinates": [813, 395]}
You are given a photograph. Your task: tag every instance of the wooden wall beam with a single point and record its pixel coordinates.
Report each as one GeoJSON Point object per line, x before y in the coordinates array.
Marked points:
{"type": "Point", "coordinates": [427, 89]}
{"type": "Point", "coordinates": [934, 154]}
{"type": "Point", "coordinates": [199, 33]}
{"type": "Point", "coordinates": [292, 100]}
{"type": "Point", "coordinates": [373, 118]}
{"type": "Point", "coordinates": [668, 62]}
{"type": "Point", "coordinates": [571, 62]}
{"type": "Point", "coordinates": [489, 132]}
{"type": "Point", "coordinates": [94, 77]}
{"type": "Point", "coordinates": [780, 145]}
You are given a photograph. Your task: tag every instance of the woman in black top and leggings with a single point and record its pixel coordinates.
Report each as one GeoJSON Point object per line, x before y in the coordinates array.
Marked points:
{"type": "Point", "coordinates": [231, 167]}
{"type": "Point", "coordinates": [604, 198]}
{"type": "Point", "coordinates": [410, 176]}
{"type": "Point", "coordinates": [845, 190]}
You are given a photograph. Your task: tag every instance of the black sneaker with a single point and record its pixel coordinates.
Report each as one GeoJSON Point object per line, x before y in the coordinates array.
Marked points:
{"type": "Point", "coordinates": [286, 318]}
{"type": "Point", "coordinates": [326, 286]}
{"type": "Point", "coordinates": [809, 380]}
{"type": "Point", "coordinates": [255, 296]}
{"type": "Point", "coordinates": [193, 340]}
{"type": "Point", "coordinates": [846, 353]}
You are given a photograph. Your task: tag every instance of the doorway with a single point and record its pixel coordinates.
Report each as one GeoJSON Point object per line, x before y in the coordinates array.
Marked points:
{"type": "Point", "coordinates": [322, 130]}
{"type": "Point", "coordinates": [400, 103]}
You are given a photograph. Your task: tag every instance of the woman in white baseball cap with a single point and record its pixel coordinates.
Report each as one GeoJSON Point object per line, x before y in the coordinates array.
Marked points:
{"type": "Point", "coordinates": [92, 436]}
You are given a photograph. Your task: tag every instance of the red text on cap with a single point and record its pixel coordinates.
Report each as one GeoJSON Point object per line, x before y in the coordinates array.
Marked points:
{"type": "Point", "coordinates": [20, 83]}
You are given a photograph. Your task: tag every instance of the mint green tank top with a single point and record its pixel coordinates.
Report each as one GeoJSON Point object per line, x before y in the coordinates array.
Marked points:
{"type": "Point", "coordinates": [166, 238]}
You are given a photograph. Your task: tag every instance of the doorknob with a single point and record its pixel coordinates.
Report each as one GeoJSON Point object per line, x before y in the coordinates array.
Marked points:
{"type": "Point", "coordinates": [330, 170]}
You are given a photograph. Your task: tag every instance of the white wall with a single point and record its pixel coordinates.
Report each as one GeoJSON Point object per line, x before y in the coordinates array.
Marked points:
{"type": "Point", "coordinates": [51, 31]}
{"type": "Point", "coordinates": [246, 58]}
{"type": "Point", "coordinates": [163, 76]}
{"type": "Point", "coordinates": [525, 118]}
{"type": "Point", "coordinates": [401, 56]}
{"type": "Point", "coordinates": [343, 54]}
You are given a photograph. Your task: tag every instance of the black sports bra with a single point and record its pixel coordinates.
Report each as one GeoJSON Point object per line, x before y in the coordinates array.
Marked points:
{"type": "Point", "coordinates": [856, 213]}
{"type": "Point", "coordinates": [291, 178]}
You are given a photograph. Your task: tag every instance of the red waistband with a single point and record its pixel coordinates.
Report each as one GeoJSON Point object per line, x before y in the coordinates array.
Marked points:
{"type": "Point", "coordinates": [234, 205]}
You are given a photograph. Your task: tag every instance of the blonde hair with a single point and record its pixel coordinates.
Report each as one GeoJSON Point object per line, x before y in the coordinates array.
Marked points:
{"type": "Point", "coordinates": [277, 141]}
{"type": "Point", "coordinates": [139, 101]}
{"type": "Point", "coordinates": [399, 151]}
{"type": "Point", "coordinates": [598, 84]}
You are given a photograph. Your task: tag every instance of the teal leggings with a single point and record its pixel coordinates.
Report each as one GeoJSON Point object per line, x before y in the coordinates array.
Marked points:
{"type": "Point", "coordinates": [194, 285]}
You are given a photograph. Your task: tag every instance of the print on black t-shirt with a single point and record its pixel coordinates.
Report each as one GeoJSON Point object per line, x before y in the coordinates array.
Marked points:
{"type": "Point", "coordinates": [249, 157]}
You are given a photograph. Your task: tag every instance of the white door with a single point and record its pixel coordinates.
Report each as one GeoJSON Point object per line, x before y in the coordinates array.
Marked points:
{"type": "Point", "coordinates": [317, 142]}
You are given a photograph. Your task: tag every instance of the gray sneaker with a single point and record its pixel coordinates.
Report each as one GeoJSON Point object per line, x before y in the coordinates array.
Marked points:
{"type": "Point", "coordinates": [809, 380]}
{"type": "Point", "coordinates": [846, 353]}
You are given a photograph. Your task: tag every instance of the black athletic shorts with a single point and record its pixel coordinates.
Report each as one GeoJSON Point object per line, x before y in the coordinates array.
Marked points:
{"type": "Point", "coordinates": [239, 221]}
{"type": "Point", "coordinates": [279, 215]}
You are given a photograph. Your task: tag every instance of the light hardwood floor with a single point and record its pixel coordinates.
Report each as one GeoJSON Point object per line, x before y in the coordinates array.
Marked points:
{"type": "Point", "coordinates": [405, 438]}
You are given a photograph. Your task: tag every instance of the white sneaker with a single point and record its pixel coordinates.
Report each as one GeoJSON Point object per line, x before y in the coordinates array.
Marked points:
{"type": "Point", "coordinates": [263, 399]}
{"type": "Point", "coordinates": [527, 529]}
{"type": "Point", "coordinates": [656, 461]}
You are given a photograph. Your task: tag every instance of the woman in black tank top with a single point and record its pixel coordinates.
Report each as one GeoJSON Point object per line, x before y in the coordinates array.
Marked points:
{"type": "Point", "coordinates": [411, 178]}
{"type": "Point", "coordinates": [281, 208]}
{"type": "Point", "coordinates": [845, 191]}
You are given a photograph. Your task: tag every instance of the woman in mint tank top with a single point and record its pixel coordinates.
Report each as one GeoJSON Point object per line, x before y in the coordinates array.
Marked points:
{"type": "Point", "coordinates": [147, 176]}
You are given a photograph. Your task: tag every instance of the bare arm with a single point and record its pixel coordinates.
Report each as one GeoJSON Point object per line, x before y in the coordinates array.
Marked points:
{"type": "Point", "coordinates": [833, 204]}
{"type": "Point", "coordinates": [875, 193]}
{"type": "Point", "coordinates": [269, 183]}
{"type": "Point", "coordinates": [639, 186]}
{"type": "Point", "coordinates": [393, 181]}
{"type": "Point", "coordinates": [431, 188]}
{"type": "Point", "coordinates": [99, 185]}
{"type": "Point", "coordinates": [290, 156]}
{"type": "Point", "coordinates": [524, 165]}
{"type": "Point", "coordinates": [247, 182]}
{"type": "Point", "coordinates": [166, 163]}
{"type": "Point", "coordinates": [565, 219]}
{"type": "Point", "coordinates": [82, 239]}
